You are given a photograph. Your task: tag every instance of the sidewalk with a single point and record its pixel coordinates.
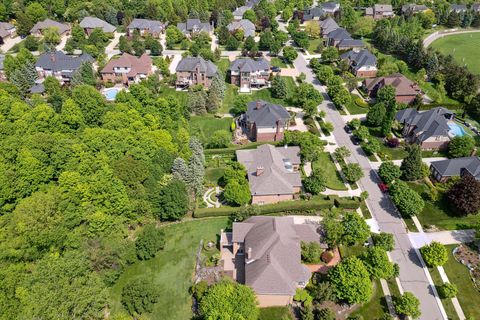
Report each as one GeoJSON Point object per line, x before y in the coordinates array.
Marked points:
{"type": "Point", "coordinates": [419, 239]}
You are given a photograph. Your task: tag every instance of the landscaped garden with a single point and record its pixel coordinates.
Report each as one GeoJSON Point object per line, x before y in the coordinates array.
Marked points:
{"type": "Point", "coordinates": [463, 48]}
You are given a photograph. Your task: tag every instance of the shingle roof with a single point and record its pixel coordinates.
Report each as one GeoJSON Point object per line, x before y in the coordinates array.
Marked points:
{"type": "Point", "coordinates": [59, 61]}
{"type": "Point", "coordinates": [246, 25]}
{"type": "Point", "coordinates": [453, 167]}
{"type": "Point", "coordinates": [146, 24]}
{"type": "Point", "coordinates": [141, 65]}
{"type": "Point", "coordinates": [47, 23]}
{"type": "Point", "coordinates": [249, 65]}
{"type": "Point", "coordinates": [328, 25]}
{"type": "Point", "coordinates": [458, 7]}
{"type": "Point", "coordinates": [94, 22]}
{"type": "Point", "coordinates": [276, 177]}
{"type": "Point", "coordinates": [5, 28]}
{"type": "Point", "coordinates": [360, 59]}
{"type": "Point", "coordinates": [266, 114]}
{"type": "Point", "coordinates": [402, 85]}
{"type": "Point", "coordinates": [350, 43]}
{"type": "Point", "coordinates": [272, 246]}
{"type": "Point", "coordinates": [240, 11]}
{"type": "Point", "coordinates": [196, 24]}
{"type": "Point", "coordinates": [330, 6]}
{"type": "Point", "coordinates": [190, 64]}
{"type": "Point", "coordinates": [414, 8]}
{"type": "Point", "coordinates": [37, 88]}
{"type": "Point", "coordinates": [383, 8]}
{"type": "Point", "coordinates": [339, 34]}
{"type": "Point", "coordinates": [427, 124]}
{"type": "Point", "coordinates": [476, 7]}
{"type": "Point", "coordinates": [313, 12]}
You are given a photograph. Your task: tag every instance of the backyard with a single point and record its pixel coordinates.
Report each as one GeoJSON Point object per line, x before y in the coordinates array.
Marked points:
{"type": "Point", "coordinates": [204, 126]}
{"type": "Point", "coordinates": [172, 269]}
{"type": "Point", "coordinates": [463, 48]}
{"type": "Point", "coordinates": [332, 176]}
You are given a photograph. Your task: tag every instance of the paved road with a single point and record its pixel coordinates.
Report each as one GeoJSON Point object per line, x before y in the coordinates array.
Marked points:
{"type": "Point", "coordinates": [412, 275]}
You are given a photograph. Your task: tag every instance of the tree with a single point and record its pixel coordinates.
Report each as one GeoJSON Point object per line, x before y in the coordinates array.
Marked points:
{"type": "Point", "coordinates": [290, 54]}
{"type": "Point", "coordinates": [389, 172]}
{"type": "Point", "coordinates": [407, 200]}
{"type": "Point", "coordinates": [220, 139]}
{"type": "Point", "coordinates": [447, 290]}
{"type": "Point", "coordinates": [197, 101]}
{"type": "Point", "coordinates": [330, 54]}
{"type": "Point", "coordinates": [266, 40]}
{"type": "Point", "coordinates": [355, 229]}
{"type": "Point", "coordinates": [250, 15]}
{"type": "Point", "coordinates": [227, 299]}
{"type": "Point", "coordinates": [84, 75]}
{"type": "Point", "coordinates": [311, 252]}
{"type": "Point", "coordinates": [324, 314]}
{"type": "Point", "coordinates": [232, 43]}
{"type": "Point", "coordinates": [412, 164]}
{"type": "Point", "coordinates": [407, 305]}
{"type": "Point", "coordinates": [315, 183]}
{"type": "Point", "coordinates": [377, 263]}
{"type": "Point", "coordinates": [341, 153]}
{"type": "Point", "coordinates": [333, 231]}
{"type": "Point", "coordinates": [36, 12]}
{"type": "Point", "coordinates": [312, 28]}
{"type": "Point", "coordinates": [301, 39]}
{"type": "Point", "coordinates": [351, 281]}
{"type": "Point", "coordinates": [250, 45]}
{"type": "Point", "coordinates": [24, 78]}
{"type": "Point", "coordinates": [372, 146]}
{"type": "Point", "coordinates": [384, 240]}
{"type": "Point", "coordinates": [149, 241]}
{"type": "Point", "coordinates": [279, 87]}
{"type": "Point", "coordinates": [139, 295]}
{"type": "Point", "coordinates": [386, 95]}
{"type": "Point", "coordinates": [171, 203]}
{"type": "Point", "coordinates": [376, 115]}
{"type": "Point", "coordinates": [51, 36]}
{"type": "Point", "coordinates": [91, 102]}
{"type": "Point", "coordinates": [352, 172]}
{"type": "Point", "coordinates": [237, 193]}
{"type": "Point", "coordinates": [461, 146]}
{"type": "Point", "coordinates": [464, 196]}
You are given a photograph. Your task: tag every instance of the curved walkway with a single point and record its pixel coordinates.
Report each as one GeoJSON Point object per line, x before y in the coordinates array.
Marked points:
{"type": "Point", "coordinates": [440, 34]}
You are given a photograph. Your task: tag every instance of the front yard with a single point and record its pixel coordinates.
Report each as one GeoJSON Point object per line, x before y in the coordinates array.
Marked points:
{"type": "Point", "coordinates": [332, 176]}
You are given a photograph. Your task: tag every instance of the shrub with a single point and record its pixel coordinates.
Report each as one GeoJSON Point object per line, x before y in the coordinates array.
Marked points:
{"type": "Point", "coordinates": [311, 252]}
{"type": "Point", "coordinates": [383, 240]}
{"type": "Point", "coordinates": [447, 291]}
{"type": "Point", "coordinates": [435, 254]}
{"type": "Point", "coordinates": [359, 102]}
{"type": "Point", "coordinates": [327, 256]}
{"type": "Point", "coordinates": [393, 142]}
{"type": "Point", "coordinates": [408, 305]}
{"type": "Point", "coordinates": [149, 241]}
{"type": "Point", "coordinates": [139, 295]}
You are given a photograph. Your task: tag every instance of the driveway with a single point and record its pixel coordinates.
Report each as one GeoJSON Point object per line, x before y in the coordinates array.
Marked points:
{"type": "Point", "coordinates": [63, 42]}
{"type": "Point", "coordinates": [174, 63]}
{"type": "Point", "coordinates": [110, 50]}
{"type": "Point", "coordinates": [9, 43]}
{"type": "Point", "coordinates": [444, 237]}
{"type": "Point", "coordinates": [413, 276]}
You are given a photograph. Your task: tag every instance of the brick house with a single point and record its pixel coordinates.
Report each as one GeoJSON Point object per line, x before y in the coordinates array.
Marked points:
{"type": "Point", "coordinates": [195, 70]}
{"type": "Point", "coordinates": [39, 27]}
{"type": "Point", "coordinates": [341, 39]}
{"type": "Point", "coordinates": [194, 26]}
{"type": "Point", "coordinates": [264, 121]}
{"type": "Point", "coordinates": [146, 26]}
{"type": "Point", "coordinates": [264, 253]}
{"type": "Point", "coordinates": [444, 170]}
{"type": "Point", "coordinates": [363, 64]}
{"type": "Point", "coordinates": [127, 69]}
{"type": "Point", "coordinates": [328, 25]}
{"type": "Point", "coordinates": [60, 65]}
{"type": "Point", "coordinates": [405, 90]}
{"type": "Point", "coordinates": [91, 23]}
{"type": "Point", "coordinates": [273, 174]}
{"type": "Point", "coordinates": [380, 11]}
{"type": "Point", "coordinates": [247, 73]}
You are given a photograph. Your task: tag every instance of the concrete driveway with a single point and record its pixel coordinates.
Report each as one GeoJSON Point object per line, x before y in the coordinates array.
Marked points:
{"type": "Point", "coordinates": [63, 42]}
{"type": "Point", "coordinates": [8, 43]}
{"type": "Point", "coordinates": [110, 50]}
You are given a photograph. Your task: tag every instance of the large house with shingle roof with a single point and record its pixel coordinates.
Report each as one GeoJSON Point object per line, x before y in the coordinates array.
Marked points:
{"type": "Point", "coordinates": [60, 65]}
{"type": "Point", "coordinates": [443, 170]}
{"type": "Point", "coordinates": [264, 121]}
{"type": "Point", "coordinates": [405, 90]}
{"type": "Point", "coordinates": [247, 73]}
{"type": "Point", "coordinates": [264, 253]}
{"type": "Point", "coordinates": [146, 26]}
{"type": "Point", "coordinates": [413, 8]}
{"type": "Point", "coordinates": [362, 64]}
{"type": "Point", "coordinates": [127, 69]}
{"type": "Point", "coordinates": [91, 23]}
{"type": "Point", "coordinates": [458, 8]}
{"type": "Point", "coordinates": [320, 11]}
{"type": "Point", "coordinates": [7, 30]}
{"type": "Point", "coordinates": [273, 174]}
{"type": "Point", "coordinates": [328, 25]}
{"type": "Point", "coordinates": [380, 11]}
{"type": "Point", "coordinates": [194, 26]}
{"type": "Point", "coordinates": [39, 27]}
{"type": "Point", "coordinates": [195, 70]}
{"type": "Point", "coordinates": [244, 25]}
{"type": "Point", "coordinates": [430, 129]}
{"type": "Point", "coordinates": [341, 39]}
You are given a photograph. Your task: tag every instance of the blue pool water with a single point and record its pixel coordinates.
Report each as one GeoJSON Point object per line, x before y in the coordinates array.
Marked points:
{"type": "Point", "coordinates": [456, 130]}
{"type": "Point", "coordinates": [110, 94]}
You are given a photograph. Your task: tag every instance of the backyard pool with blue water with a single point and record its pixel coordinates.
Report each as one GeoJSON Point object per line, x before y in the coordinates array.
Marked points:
{"type": "Point", "coordinates": [456, 130]}
{"type": "Point", "coordinates": [111, 93]}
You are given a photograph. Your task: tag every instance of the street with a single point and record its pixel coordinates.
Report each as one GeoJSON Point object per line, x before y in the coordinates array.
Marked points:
{"type": "Point", "coordinates": [413, 277]}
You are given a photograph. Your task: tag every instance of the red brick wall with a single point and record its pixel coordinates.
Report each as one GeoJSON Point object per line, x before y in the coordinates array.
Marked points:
{"type": "Point", "coordinates": [269, 136]}
{"type": "Point", "coordinates": [405, 99]}
{"type": "Point", "coordinates": [366, 74]}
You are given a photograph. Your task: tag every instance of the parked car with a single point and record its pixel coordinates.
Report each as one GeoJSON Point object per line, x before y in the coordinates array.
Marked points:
{"type": "Point", "coordinates": [355, 140]}
{"type": "Point", "coordinates": [348, 129]}
{"type": "Point", "coordinates": [275, 69]}
{"type": "Point", "coordinates": [383, 187]}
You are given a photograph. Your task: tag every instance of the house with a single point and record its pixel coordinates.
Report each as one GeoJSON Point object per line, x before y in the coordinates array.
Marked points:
{"type": "Point", "coordinates": [244, 25]}
{"type": "Point", "coordinates": [443, 170]}
{"type": "Point", "coordinates": [194, 26]}
{"type": "Point", "coordinates": [37, 30]}
{"type": "Point", "coordinates": [341, 39]}
{"type": "Point", "coordinates": [458, 8]}
{"type": "Point", "coordinates": [412, 8]}
{"type": "Point", "coordinates": [264, 121]}
{"type": "Point", "coordinates": [430, 129]}
{"type": "Point", "coordinates": [7, 30]}
{"type": "Point", "coordinates": [60, 65]}
{"type": "Point", "coordinates": [195, 70]}
{"type": "Point", "coordinates": [476, 7]}
{"type": "Point", "coordinates": [273, 174]}
{"type": "Point", "coordinates": [91, 23]}
{"type": "Point", "coordinates": [145, 26]}
{"type": "Point", "coordinates": [247, 73]}
{"type": "Point", "coordinates": [330, 7]}
{"type": "Point", "coordinates": [405, 90]}
{"type": "Point", "coordinates": [3, 77]}
{"type": "Point", "coordinates": [313, 13]}
{"type": "Point", "coordinates": [127, 69]}
{"type": "Point", "coordinates": [328, 25]}
{"type": "Point", "coordinates": [264, 253]}
{"type": "Point", "coordinates": [363, 64]}
{"type": "Point", "coordinates": [380, 11]}
{"type": "Point", "coordinates": [239, 12]}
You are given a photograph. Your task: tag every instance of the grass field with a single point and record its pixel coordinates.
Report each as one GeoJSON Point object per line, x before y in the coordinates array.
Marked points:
{"type": "Point", "coordinates": [172, 269]}
{"type": "Point", "coordinates": [204, 126]}
{"type": "Point", "coordinates": [325, 163]}
{"type": "Point", "coordinates": [447, 303]}
{"type": "Point", "coordinates": [278, 62]}
{"type": "Point", "coordinates": [463, 48]}
{"type": "Point", "coordinates": [376, 308]}
{"type": "Point", "coordinates": [313, 45]}
{"type": "Point", "coordinates": [275, 313]}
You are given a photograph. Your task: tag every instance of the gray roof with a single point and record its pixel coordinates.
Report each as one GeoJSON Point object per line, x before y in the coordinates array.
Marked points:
{"type": "Point", "coordinates": [194, 25]}
{"type": "Point", "coordinates": [48, 23]}
{"type": "Point", "coordinates": [328, 25]}
{"type": "Point", "coordinates": [313, 12]}
{"type": "Point", "coordinates": [190, 64]}
{"type": "Point", "coordinates": [277, 177]}
{"type": "Point", "coordinates": [360, 59]}
{"type": "Point", "coordinates": [94, 22]}
{"type": "Point", "coordinates": [476, 7]}
{"type": "Point", "coordinates": [59, 61]}
{"type": "Point", "coordinates": [330, 6]}
{"type": "Point", "coordinates": [453, 167]}
{"type": "Point", "coordinates": [249, 65]}
{"type": "Point", "coordinates": [265, 114]}
{"type": "Point", "coordinates": [458, 7]}
{"type": "Point", "coordinates": [413, 8]}
{"type": "Point", "coordinates": [273, 265]}
{"type": "Point", "coordinates": [382, 8]}
{"type": "Point", "coordinates": [240, 11]}
{"type": "Point", "coordinates": [427, 124]}
{"type": "Point", "coordinates": [246, 25]}
{"type": "Point", "coordinates": [37, 88]}
{"type": "Point", "coordinates": [5, 29]}
{"type": "Point", "coordinates": [339, 34]}
{"type": "Point", "coordinates": [145, 24]}
{"type": "Point", "coordinates": [2, 58]}
{"type": "Point", "coordinates": [350, 43]}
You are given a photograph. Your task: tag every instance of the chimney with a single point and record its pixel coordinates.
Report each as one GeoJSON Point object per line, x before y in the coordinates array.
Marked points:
{"type": "Point", "coordinates": [260, 171]}
{"type": "Point", "coordinates": [259, 105]}
{"type": "Point", "coordinates": [52, 56]}
{"type": "Point", "coordinates": [249, 253]}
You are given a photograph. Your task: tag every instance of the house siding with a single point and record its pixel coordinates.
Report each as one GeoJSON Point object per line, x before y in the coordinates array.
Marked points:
{"type": "Point", "coordinates": [366, 74]}
{"type": "Point", "coordinates": [265, 199]}
{"type": "Point", "coordinates": [266, 300]}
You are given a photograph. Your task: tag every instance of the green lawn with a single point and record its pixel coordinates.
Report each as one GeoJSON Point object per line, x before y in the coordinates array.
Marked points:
{"type": "Point", "coordinates": [181, 96]}
{"type": "Point", "coordinates": [275, 313]}
{"type": "Point", "coordinates": [172, 269]}
{"type": "Point", "coordinates": [463, 48]}
{"type": "Point", "coordinates": [376, 307]}
{"type": "Point", "coordinates": [350, 251]}
{"type": "Point", "coordinates": [313, 44]}
{"type": "Point", "coordinates": [223, 65]}
{"type": "Point", "coordinates": [447, 303]}
{"type": "Point", "coordinates": [278, 62]}
{"type": "Point", "coordinates": [468, 295]}
{"type": "Point", "coordinates": [353, 108]}
{"type": "Point", "coordinates": [325, 163]}
{"type": "Point", "coordinates": [204, 126]}
{"type": "Point", "coordinates": [212, 175]}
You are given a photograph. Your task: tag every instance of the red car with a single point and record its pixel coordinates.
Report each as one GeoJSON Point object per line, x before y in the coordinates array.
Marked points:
{"type": "Point", "coordinates": [383, 187]}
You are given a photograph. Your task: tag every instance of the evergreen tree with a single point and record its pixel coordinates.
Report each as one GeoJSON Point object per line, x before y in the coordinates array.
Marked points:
{"type": "Point", "coordinates": [84, 75]}
{"type": "Point", "coordinates": [196, 165]}
{"type": "Point", "coordinates": [24, 78]}
{"type": "Point", "coordinates": [197, 101]}
{"type": "Point", "coordinates": [279, 87]}
{"type": "Point", "coordinates": [412, 164]}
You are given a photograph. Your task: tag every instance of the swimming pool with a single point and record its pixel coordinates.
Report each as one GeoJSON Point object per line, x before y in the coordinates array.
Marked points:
{"type": "Point", "coordinates": [111, 93]}
{"type": "Point", "coordinates": [456, 130]}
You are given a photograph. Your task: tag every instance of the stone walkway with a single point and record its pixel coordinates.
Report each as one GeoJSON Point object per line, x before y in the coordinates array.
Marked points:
{"type": "Point", "coordinates": [207, 197]}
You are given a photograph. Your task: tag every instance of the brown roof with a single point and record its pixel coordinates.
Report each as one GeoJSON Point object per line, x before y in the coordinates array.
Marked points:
{"type": "Point", "coordinates": [142, 65]}
{"type": "Point", "coordinates": [402, 85]}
